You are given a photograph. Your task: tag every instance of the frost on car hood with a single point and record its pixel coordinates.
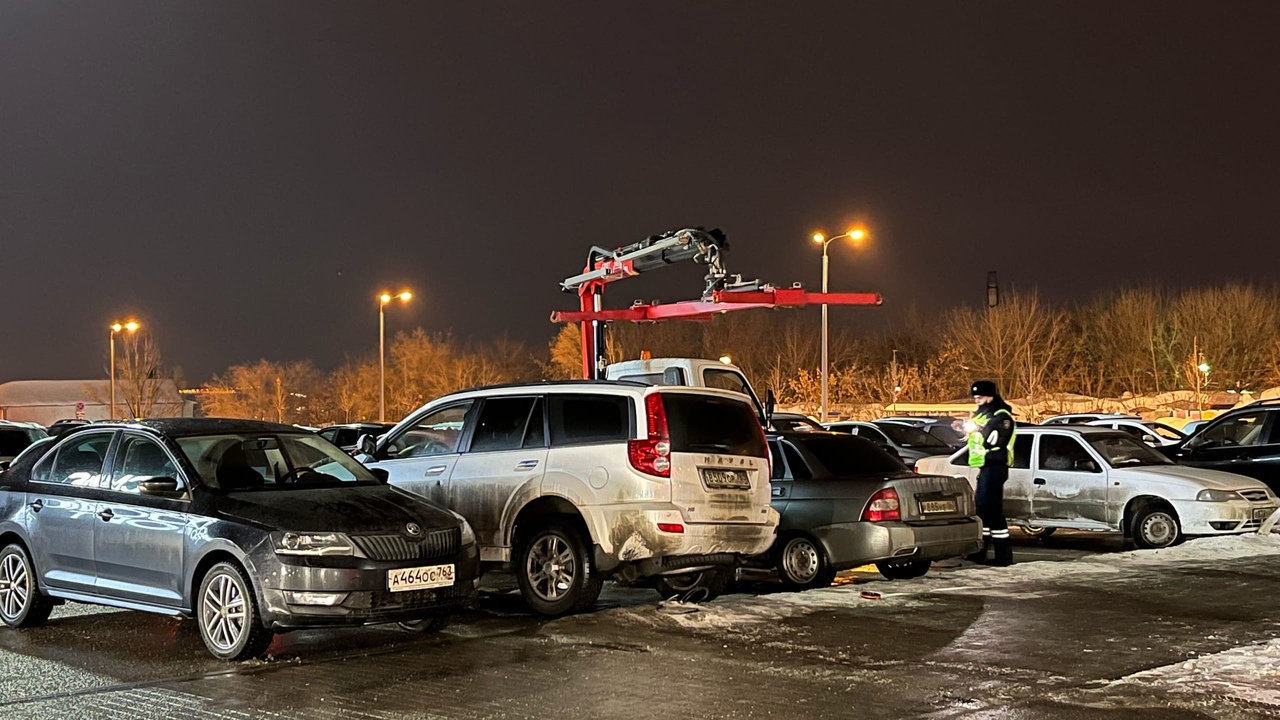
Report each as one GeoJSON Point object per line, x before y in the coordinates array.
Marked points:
{"type": "Point", "coordinates": [1200, 477]}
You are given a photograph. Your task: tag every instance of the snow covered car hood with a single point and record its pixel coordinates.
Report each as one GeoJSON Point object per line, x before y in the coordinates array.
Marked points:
{"type": "Point", "coordinates": [1200, 477]}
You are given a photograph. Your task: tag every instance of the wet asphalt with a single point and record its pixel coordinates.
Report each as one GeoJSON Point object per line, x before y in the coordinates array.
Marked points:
{"type": "Point", "coordinates": [1044, 649]}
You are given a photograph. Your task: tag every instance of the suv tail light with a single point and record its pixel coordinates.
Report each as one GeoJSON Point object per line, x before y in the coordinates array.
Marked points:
{"type": "Point", "coordinates": [652, 455]}
{"type": "Point", "coordinates": [883, 506]}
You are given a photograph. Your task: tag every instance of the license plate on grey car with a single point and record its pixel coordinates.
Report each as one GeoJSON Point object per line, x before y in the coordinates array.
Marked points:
{"type": "Point", "coordinates": [419, 578]}
{"type": "Point", "coordinates": [718, 479]}
{"type": "Point", "coordinates": [1261, 514]}
{"type": "Point", "coordinates": [934, 507]}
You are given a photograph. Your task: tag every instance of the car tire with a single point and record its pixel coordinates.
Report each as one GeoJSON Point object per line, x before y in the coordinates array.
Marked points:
{"type": "Point", "coordinates": [21, 602]}
{"type": "Point", "coordinates": [555, 571]}
{"type": "Point", "coordinates": [903, 569]}
{"type": "Point", "coordinates": [802, 564]}
{"type": "Point", "coordinates": [425, 626]}
{"type": "Point", "coordinates": [1037, 532]}
{"type": "Point", "coordinates": [1155, 525]}
{"type": "Point", "coordinates": [227, 615]}
{"type": "Point", "coordinates": [705, 586]}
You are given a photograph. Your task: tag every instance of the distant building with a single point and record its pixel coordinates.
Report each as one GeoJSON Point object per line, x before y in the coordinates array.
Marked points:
{"type": "Point", "coordinates": [45, 401]}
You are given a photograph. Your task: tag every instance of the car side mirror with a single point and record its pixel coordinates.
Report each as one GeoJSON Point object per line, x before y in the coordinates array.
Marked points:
{"type": "Point", "coordinates": [770, 403]}
{"type": "Point", "coordinates": [165, 487]}
{"type": "Point", "coordinates": [365, 445]}
{"type": "Point", "coordinates": [381, 474]}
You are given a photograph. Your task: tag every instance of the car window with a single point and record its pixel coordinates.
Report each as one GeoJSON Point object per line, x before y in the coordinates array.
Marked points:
{"type": "Point", "coordinates": [438, 433]}
{"type": "Point", "coordinates": [1166, 432]}
{"type": "Point", "coordinates": [1064, 453]}
{"type": "Point", "coordinates": [845, 455]}
{"type": "Point", "coordinates": [871, 433]}
{"type": "Point", "coordinates": [707, 423]}
{"type": "Point", "coordinates": [912, 437]}
{"type": "Point", "coordinates": [799, 468]}
{"type": "Point", "coordinates": [329, 434]}
{"type": "Point", "coordinates": [656, 378]}
{"type": "Point", "coordinates": [79, 462]}
{"type": "Point", "coordinates": [344, 437]}
{"type": "Point", "coordinates": [502, 424]}
{"type": "Point", "coordinates": [253, 461]}
{"type": "Point", "coordinates": [535, 436]}
{"type": "Point", "coordinates": [578, 419]}
{"type": "Point", "coordinates": [725, 380]}
{"type": "Point", "coordinates": [1021, 452]}
{"type": "Point", "coordinates": [1120, 450]}
{"type": "Point", "coordinates": [1238, 431]}
{"type": "Point", "coordinates": [140, 459]}
{"type": "Point", "coordinates": [13, 441]}
{"type": "Point", "coordinates": [775, 461]}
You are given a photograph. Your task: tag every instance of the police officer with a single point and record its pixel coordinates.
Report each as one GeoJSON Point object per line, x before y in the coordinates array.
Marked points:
{"type": "Point", "coordinates": [990, 441]}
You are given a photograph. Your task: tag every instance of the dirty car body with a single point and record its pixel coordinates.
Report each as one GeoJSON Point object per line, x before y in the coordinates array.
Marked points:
{"type": "Point", "coordinates": [138, 516]}
{"type": "Point", "coordinates": [855, 504]}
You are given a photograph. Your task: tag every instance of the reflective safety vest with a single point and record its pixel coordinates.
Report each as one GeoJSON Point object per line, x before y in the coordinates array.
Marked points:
{"type": "Point", "coordinates": [978, 443]}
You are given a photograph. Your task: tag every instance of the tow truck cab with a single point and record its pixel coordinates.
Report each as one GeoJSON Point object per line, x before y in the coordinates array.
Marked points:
{"type": "Point", "coordinates": [689, 372]}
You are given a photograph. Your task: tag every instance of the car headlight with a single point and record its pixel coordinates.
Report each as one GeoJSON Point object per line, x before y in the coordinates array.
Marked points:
{"type": "Point", "coordinates": [1218, 496]}
{"type": "Point", "coordinates": [292, 543]}
{"type": "Point", "coordinates": [468, 535]}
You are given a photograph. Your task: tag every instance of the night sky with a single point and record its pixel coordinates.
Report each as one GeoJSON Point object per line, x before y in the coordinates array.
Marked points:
{"type": "Point", "coordinates": [243, 177]}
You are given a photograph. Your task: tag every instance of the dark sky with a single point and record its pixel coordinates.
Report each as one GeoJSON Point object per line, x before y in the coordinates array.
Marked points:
{"type": "Point", "coordinates": [245, 176]}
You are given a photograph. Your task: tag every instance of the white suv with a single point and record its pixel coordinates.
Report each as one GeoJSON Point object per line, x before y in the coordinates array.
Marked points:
{"type": "Point", "coordinates": [569, 483]}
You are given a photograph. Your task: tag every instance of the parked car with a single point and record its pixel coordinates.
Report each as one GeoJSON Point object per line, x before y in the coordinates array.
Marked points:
{"type": "Point", "coordinates": [1245, 441]}
{"type": "Point", "coordinates": [62, 427]}
{"type": "Point", "coordinates": [16, 436]}
{"type": "Point", "coordinates": [1191, 427]}
{"type": "Point", "coordinates": [939, 427]}
{"type": "Point", "coordinates": [1083, 418]}
{"type": "Point", "coordinates": [908, 443]}
{"type": "Point", "coordinates": [250, 528]}
{"type": "Point", "coordinates": [1151, 433]}
{"type": "Point", "coordinates": [348, 435]}
{"type": "Point", "coordinates": [1090, 478]}
{"type": "Point", "coordinates": [794, 422]}
{"type": "Point", "coordinates": [845, 502]}
{"type": "Point", "coordinates": [569, 483]}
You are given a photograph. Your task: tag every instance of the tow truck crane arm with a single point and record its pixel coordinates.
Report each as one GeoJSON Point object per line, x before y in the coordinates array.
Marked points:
{"type": "Point", "coordinates": [721, 294]}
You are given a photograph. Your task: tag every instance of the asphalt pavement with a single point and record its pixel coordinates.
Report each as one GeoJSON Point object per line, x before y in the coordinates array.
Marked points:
{"type": "Point", "coordinates": [960, 646]}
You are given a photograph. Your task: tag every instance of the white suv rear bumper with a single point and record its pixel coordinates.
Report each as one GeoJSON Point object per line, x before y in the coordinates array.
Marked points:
{"type": "Point", "coordinates": [628, 533]}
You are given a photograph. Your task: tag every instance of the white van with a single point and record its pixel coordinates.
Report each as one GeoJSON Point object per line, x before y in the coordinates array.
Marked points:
{"type": "Point", "coordinates": [688, 372]}
{"type": "Point", "coordinates": [569, 483]}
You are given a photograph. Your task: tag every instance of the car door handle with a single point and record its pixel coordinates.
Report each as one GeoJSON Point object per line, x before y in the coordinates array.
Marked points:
{"type": "Point", "coordinates": [1038, 481]}
{"type": "Point", "coordinates": [106, 515]}
{"type": "Point", "coordinates": [36, 506]}
{"type": "Point", "coordinates": [526, 464]}
{"type": "Point", "coordinates": [435, 470]}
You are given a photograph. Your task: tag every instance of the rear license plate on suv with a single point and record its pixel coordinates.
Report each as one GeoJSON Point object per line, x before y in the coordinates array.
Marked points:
{"type": "Point", "coordinates": [935, 507]}
{"type": "Point", "coordinates": [718, 479]}
{"type": "Point", "coordinates": [419, 578]}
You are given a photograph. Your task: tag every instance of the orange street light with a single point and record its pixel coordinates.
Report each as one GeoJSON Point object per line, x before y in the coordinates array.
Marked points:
{"type": "Point", "coordinates": [856, 235]}
{"type": "Point", "coordinates": [130, 326]}
{"type": "Point", "coordinates": [383, 299]}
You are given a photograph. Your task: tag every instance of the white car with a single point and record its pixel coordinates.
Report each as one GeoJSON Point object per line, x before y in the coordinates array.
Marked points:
{"type": "Point", "coordinates": [1151, 433]}
{"type": "Point", "coordinates": [1083, 418]}
{"type": "Point", "coordinates": [569, 483]}
{"type": "Point", "coordinates": [1091, 478]}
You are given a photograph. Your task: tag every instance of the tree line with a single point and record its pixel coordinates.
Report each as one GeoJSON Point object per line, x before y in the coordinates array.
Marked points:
{"type": "Point", "coordinates": [1131, 342]}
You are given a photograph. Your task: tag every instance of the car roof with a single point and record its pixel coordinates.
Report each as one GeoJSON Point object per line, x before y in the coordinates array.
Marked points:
{"type": "Point", "coordinates": [184, 427]}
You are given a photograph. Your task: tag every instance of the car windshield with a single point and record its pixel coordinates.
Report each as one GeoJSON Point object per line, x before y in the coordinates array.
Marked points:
{"type": "Point", "coordinates": [912, 437]}
{"type": "Point", "coordinates": [1165, 431]}
{"type": "Point", "coordinates": [795, 423]}
{"type": "Point", "coordinates": [1126, 451]}
{"type": "Point", "coordinates": [845, 455]}
{"type": "Point", "coordinates": [255, 461]}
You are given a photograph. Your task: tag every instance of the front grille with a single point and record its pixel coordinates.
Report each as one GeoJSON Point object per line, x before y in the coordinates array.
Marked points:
{"type": "Point", "coordinates": [389, 548]}
{"type": "Point", "coordinates": [385, 601]}
{"type": "Point", "coordinates": [1255, 495]}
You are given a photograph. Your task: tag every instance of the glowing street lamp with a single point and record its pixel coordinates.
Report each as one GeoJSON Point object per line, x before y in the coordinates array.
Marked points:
{"type": "Point", "coordinates": [129, 326]}
{"type": "Point", "coordinates": [726, 359]}
{"type": "Point", "coordinates": [383, 299]}
{"type": "Point", "coordinates": [856, 236]}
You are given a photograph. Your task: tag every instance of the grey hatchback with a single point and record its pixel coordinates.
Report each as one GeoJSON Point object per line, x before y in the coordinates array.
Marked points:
{"type": "Point", "coordinates": [251, 528]}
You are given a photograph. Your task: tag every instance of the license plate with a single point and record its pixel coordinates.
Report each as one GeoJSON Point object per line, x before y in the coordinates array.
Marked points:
{"type": "Point", "coordinates": [1261, 514]}
{"type": "Point", "coordinates": [430, 576]}
{"type": "Point", "coordinates": [716, 478]}
{"type": "Point", "coordinates": [934, 507]}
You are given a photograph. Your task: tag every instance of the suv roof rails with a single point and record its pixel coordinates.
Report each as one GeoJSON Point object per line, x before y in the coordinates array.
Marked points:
{"type": "Point", "coordinates": [1263, 401]}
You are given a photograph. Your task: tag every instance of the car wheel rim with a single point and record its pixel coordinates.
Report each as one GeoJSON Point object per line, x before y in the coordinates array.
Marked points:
{"type": "Point", "coordinates": [1159, 529]}
{"type": "Point", "coordinates": [684, 583]}
{"type": "Point", "coordinates": [15, 587]}
{"type": "Point", "coordinates": [800, 560]}
{"type": "Point", "coordinates": [1033, 529]}
{"type": "Point", "coordinates": [551, 567]}
{"type": "Point", "coordinates": [223, 614]}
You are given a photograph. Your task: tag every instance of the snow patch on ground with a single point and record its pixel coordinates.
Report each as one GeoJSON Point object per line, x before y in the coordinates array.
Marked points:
{"type": "Point", "coordinates": [1250, 673]}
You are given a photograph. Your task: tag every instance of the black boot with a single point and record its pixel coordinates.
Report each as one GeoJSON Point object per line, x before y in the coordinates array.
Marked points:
{"type": "Point", "coordinates": [980, 557]}
{"type": "Point", "coordinates": [1004, 553]}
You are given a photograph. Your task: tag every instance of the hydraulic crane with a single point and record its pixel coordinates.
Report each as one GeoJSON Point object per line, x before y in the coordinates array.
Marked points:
{"type": "Point", "coordinates": [723, 292]}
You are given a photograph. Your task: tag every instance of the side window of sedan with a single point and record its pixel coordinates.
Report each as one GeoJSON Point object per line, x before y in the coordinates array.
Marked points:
{"type": "Point", "coordinates": [79, 461]}
{"type": "Point", "coordinates": [438, 433]}
{"type": "Point", "coordinates": [799, 469]}
{"type": "Point", "coordinates": [1064, 454]}
{"type": "Point", "coordinates": [140, 459]}
{"type": "Point", "coordinates": [1021, 452]}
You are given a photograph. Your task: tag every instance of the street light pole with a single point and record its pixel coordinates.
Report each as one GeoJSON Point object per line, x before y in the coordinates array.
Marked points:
{"type": "Point", "coordinates": [856, 236]}
{"type": "Point", "coordinates": [131, 326]}
{"type": "Point", "coordinates": [383, 299]}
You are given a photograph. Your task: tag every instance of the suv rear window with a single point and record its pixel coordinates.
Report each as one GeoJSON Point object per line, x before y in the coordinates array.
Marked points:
{"type": "Point", "coordinates": [13, 442]}
{"type": "Point", "coordinates": [703, 423]}
{"type": "Point", "coordinates": [844, 455]}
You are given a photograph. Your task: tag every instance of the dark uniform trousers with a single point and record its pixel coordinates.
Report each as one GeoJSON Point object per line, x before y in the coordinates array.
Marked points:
{"type": "Point", "coordinates": [990, 498]}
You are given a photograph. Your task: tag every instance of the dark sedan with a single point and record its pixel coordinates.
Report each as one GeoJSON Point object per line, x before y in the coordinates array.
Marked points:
{"type": "Point", "coordinates": [845, 502]}
{"type": "Point", "coordinates": [251, 528]}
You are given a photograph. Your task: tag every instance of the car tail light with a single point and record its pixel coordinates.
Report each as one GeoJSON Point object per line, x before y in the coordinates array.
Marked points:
{"type": "Point", "coordinates": [671, 527]}
{"type": "Point", "coordinates": [915, 467]}
{"type": "Point", "coordinates": [882, 507]}
{"type": "Point", "coordinates": [652, 455]}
